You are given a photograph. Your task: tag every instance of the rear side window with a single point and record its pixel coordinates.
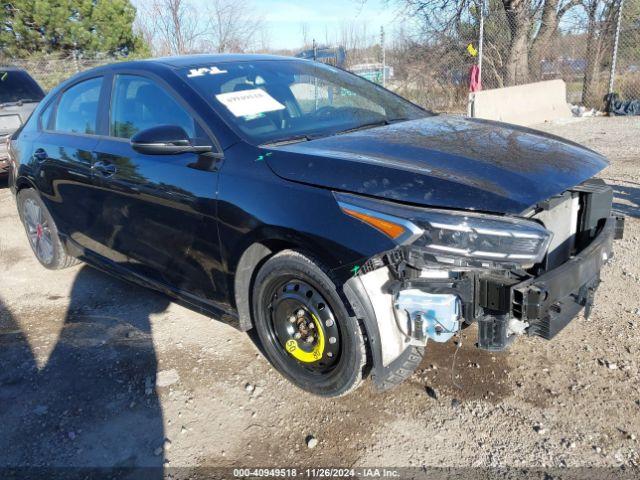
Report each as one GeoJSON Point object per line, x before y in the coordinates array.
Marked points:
{"type": "Point", "coordinates": [18, 86]}
{"type": "Point", "coordinates": [138, 103]}
{"type": "Point", "coordinates": [77, 110]}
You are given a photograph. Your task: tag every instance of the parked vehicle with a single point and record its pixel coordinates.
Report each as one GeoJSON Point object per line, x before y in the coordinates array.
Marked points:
{"type": "Point", "coordinates": [344, 224]}
{"type": "Point", "coordinates": [19, 95]}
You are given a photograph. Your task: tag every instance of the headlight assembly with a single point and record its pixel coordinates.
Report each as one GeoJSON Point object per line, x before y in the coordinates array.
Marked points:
{"type": "Point", "coordinates": [454, 234]}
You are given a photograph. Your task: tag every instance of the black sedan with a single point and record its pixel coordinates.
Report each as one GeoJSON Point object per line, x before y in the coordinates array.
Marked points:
{"type": "Point", "coordinates": [344, 224]}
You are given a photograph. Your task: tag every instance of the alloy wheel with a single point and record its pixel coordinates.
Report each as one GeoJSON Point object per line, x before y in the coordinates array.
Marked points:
{"type": "Point", "coordinates": [38, 231]}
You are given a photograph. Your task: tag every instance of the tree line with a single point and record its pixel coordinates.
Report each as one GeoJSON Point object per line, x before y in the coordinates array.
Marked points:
{"type": "Point", "coordinates": [115, 28]}
{"type": "Point", "coordinates": [69, 27]}
{"type": "Point", "coordinates": [427, 48]}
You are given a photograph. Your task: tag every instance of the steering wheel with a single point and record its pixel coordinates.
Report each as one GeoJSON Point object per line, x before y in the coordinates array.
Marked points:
{"type": "Point", "coordinates": [325, 113]}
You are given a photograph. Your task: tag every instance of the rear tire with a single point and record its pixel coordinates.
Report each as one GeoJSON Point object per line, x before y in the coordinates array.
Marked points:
{"type": "Point", "coordinates": [304, 328]}
{"type": "Point", "coordinates": [42, 232]}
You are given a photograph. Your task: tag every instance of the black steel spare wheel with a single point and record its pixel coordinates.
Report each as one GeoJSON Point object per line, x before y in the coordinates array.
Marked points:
{"type": "Point", "coordinates": [304, 327]}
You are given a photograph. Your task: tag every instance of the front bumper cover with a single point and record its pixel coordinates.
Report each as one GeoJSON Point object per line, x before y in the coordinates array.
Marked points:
{"type": "Point", "coordinates": [549, 302]}
{"type": "Point", "coordinates": [504, 306]}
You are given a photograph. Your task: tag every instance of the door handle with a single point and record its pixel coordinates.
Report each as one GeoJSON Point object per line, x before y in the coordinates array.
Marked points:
{"type": "Point", "coordinates": [40, 155]}
{"type": "Point", "coordinates": [105, 169]}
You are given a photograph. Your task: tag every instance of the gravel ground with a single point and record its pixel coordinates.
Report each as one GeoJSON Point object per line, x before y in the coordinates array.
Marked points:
{"type": "Point", "coordinates": [96, 372]}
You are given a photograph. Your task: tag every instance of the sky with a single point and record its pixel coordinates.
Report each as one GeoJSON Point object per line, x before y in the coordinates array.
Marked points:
{"type": "Point", "coordinates": [283, 18]}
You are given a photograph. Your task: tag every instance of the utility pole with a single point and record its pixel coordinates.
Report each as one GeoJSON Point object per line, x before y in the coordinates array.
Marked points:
{"type": "Point", "coordinates": [384, 57]}
{"type": "Point", "coordinates": [315, 78]}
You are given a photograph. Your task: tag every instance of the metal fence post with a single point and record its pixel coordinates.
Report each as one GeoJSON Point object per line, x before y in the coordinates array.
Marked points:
{"type": "Point", "coordinates": [480, 41]}
{"type": "Point", "coordinates": [470, 106]}
{"type": "Point", "coordinates": [615, 48]}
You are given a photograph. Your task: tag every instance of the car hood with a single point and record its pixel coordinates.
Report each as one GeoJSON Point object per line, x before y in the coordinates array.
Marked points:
{"type": "Point", "coordinates": [442, 161]}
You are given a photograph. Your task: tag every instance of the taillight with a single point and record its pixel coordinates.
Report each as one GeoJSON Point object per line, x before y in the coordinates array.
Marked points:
{"type": "Point", "coordinates": [8, 161]}
{"type": "Point", "coordinates": [8, 146]}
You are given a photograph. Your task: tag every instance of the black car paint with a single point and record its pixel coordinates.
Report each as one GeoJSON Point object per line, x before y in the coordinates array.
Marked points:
{"type": "Point", "coordinates": [177, 226]}
{"type": "Point", "coordinates": [443, 161]}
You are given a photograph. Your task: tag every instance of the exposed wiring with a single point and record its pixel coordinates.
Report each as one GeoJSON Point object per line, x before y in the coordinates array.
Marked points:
{"type": "Point", "coordinates": [453, 364]}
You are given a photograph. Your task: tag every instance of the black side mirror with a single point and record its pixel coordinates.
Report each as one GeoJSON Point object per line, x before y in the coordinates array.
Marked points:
{"type": "Point", "coordinates": [166, 140]}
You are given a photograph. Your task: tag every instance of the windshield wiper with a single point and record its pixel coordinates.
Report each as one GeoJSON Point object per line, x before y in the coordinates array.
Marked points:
{"type": "Point", "coordinates": [292, 139]}
{"type": "Point", "coordinates": [365, 126]}
{"type": "Point", "coordinates": [308, 137]}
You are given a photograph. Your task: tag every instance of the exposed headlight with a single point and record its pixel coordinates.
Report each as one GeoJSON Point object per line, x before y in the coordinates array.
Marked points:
{"type": "Point", "coordinates": [452, 233]}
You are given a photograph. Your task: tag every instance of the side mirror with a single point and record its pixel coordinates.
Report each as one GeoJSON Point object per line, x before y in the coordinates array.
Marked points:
{"type": "Point", "coordinates": [166, 140]}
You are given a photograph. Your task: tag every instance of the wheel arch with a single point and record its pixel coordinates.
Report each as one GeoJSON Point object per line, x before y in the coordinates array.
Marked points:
{"type": "Point", "coordinates": [21, 183]}
{"type": "Point", "coordinates": [248, 265]}
{"type": "Point", "coordinates": [259, 250]}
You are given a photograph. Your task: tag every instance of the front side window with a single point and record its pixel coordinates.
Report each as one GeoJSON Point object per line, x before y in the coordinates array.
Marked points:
{"type": "Point", "coordinates": [138, 103]}
{"type": "Point", "coordinates": [77, 110]}
{"type": "Point", "coordinates": [275, 100]}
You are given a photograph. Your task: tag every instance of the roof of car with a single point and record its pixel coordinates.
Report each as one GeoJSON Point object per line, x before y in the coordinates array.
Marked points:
{"type": "Point", "coordinates": [181, 61]}
{"type": "Point", "coordinates": [168, 63]}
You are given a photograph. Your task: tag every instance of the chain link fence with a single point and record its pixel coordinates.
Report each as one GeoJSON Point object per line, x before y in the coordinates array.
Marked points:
{"type": "Point", "coordinates": [49, 72]}
{"type": "Point", "coordinates": [433, 67]}
{"type": "Point", "coordinates": [626, 77]}
{"type": "Point", "coordinates": [575, 42]}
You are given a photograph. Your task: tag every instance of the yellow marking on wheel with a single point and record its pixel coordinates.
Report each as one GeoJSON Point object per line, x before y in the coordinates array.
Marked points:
{"type": "Point", "coordinates": [308, 357]}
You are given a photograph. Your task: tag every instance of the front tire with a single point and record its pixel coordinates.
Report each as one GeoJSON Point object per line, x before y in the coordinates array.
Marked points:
{"type": "Point", "coordinates": [304, 328]}
{"type": "Point", "coordinates": [42, 232]}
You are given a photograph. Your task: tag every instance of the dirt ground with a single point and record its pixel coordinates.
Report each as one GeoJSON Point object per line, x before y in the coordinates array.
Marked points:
{"type": "Point", "coordinates": [96, 372]}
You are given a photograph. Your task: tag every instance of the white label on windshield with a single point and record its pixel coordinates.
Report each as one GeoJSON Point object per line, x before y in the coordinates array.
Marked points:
{"type": "Point", "coordinates": [201, 72]}
{"type": "Point", "coordinates": [249, 102]}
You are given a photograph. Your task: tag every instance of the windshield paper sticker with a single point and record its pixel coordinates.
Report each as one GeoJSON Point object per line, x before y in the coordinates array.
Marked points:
{"type": "Point", "coordinates": [249, 102]}
{"type": "Point", "coordinates": [201, 72]}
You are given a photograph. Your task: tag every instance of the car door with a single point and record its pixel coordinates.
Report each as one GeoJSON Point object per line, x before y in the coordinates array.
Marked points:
{"type": "Point", "coordinates": [63, 154]}
{"type": "Point", "coordinates": [155, 209]}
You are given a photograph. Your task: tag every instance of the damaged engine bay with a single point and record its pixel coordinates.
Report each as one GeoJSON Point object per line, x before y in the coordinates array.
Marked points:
{"type": "Point", "coordinates": [513, 276]}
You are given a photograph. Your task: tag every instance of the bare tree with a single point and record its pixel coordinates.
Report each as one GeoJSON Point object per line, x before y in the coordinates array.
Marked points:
{"type": "Point", "coordinates": [176, 27]}
{"type": "Point", "coordinates": [353, 36]}
{"type": "Point", "coordinates": [264, 37]}
{"type": "Point", "coordinates": [532, 26]}
{"type": "Point", "coordinates": [552, 13]}
{"type": "Point", "coordinates": [304, 31]}
{"type": "Point", "coordinates": [172, 25]}
{"type": "Point", "coordinates": [230, 28]}
{"type": "Point", "coordinates": [145, 28]}
{"type": "Point", "coordinates": [601, 15]}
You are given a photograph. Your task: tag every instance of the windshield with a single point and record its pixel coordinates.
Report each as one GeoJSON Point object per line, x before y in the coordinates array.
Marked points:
{"type": "Point", "coordinates": [272, 101]}
{"type": "Point", "coordinates": [17, 86]}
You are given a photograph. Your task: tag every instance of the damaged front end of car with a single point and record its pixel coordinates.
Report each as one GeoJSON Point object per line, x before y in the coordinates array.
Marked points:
{"type": "Point", "coordinates": [529, 274]}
